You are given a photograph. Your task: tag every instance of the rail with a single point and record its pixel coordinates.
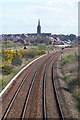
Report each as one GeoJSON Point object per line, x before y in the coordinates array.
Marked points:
{"type": "Point", "coordinates": [56, 96]}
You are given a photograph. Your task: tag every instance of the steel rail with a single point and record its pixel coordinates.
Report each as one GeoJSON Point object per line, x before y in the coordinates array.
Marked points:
{"type": "Point", "coordinates": [44, 97]}
{"type": "Point", "coordinates": [56, 96]}
{"type": "Point", "coordinates": [44, 92]}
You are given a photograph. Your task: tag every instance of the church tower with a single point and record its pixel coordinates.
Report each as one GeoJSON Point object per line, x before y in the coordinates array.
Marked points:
{"type": "Point", "coordinates": [39, 27]}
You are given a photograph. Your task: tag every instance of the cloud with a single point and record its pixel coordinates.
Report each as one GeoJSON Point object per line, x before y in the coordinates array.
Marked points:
{"type": "Point", "coordinates": [54, 15]}
{"type": "Point", "coordinates": [61, 2]}
{"type": "Point", "coordinates": [21, 1]}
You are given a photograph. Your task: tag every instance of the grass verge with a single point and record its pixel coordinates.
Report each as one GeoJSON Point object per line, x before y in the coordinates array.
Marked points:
{"type": "Point", "coordinates": [5, 79]}
{"type": "Point", "coordinates": [69, 69]}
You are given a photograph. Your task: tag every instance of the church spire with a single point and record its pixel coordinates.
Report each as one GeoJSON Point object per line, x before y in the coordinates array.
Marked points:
{"type": "Point", "coordinates": [39, 22]}
{"type": "Point", "coordinates": [39, 27]}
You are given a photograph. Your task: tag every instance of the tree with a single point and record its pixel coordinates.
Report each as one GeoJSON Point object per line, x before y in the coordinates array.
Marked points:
{"type": "Point", "coordinates": [72, 37]}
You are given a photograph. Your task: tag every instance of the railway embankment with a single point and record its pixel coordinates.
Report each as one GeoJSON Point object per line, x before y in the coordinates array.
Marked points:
{"type": "Point", "coordinates": [67, 74]}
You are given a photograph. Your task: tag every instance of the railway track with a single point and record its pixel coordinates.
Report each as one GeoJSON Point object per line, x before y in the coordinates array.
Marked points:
{"type": "Point", "coordinates": [29, 100]}
{"type": "Point", "coordinates": [44, 91]}
{"type": "Point", "coordinates": [43, 97]}
{"type": "Point", "coordinates": [29, 91]}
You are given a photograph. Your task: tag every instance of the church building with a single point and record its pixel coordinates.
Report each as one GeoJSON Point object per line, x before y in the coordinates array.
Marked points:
{"type": "Point", "coordinates": [39, 28]}
{"type": "Point", "coordinates": [39, 31]}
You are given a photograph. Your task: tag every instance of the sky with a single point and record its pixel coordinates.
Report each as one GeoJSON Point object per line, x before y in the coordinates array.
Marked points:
{"type": "Point", "coordinates": [56, 16]}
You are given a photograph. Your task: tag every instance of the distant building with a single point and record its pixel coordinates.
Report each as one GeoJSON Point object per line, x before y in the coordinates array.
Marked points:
{"type": "Point", "coordinates": [39, 28]}
{"type": "Point", "coordinates": [39, 31]}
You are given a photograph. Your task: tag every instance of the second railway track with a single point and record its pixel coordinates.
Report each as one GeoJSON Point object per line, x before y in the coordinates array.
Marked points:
{"type": "Point", "coordinates": [30, 98]}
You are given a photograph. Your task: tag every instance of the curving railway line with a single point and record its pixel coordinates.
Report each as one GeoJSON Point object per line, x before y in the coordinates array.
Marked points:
{"type": "Point", "coordinates": [35, 93]}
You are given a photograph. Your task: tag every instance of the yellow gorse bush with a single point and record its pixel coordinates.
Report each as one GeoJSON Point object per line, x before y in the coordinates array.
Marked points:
{"type": "Point", "coordinates": [10, 54]}
{"type": "Point", "coordinates": [22, 52]}
{"type": "Point", "coordinates": [5, 63]}
{"type": "Point", "coordinates": [10, 51]}
{"type": "Point", "coordinates": [1, 65]}
{"type": "Point", "coordinates": [19, 54]}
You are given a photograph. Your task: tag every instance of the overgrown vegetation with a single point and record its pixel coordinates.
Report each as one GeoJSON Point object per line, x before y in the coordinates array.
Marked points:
{"type": "Point", "coordinates": [11, 44]}
{"type": "Point", "coordinates": [6, 70]}
{"type": "Point", "coordinates": [14, 60]}
{"type": "Point", "coordinates": [69, 67]}
{"type": "Point", "coordinates": [67, 59]}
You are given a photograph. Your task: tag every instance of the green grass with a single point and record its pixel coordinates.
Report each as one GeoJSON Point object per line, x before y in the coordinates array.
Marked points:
{"type": "Point", "coordinates": [68, 59]}
{"type": "Point", "coordinates": [6, 78]}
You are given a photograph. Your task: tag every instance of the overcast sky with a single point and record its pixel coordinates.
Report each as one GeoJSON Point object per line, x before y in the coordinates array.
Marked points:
{"type": "Point", "coordinates": [56, 16]}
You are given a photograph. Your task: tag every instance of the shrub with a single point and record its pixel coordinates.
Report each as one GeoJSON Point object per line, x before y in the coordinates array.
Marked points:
{"type": "Point", "coordinates": [6, 70]}
{"type": "Point", "coordinates": [63, 62]}
{"type": "Point", "coordinates": [67, 59]}
{"type": "Point", "coordinates": [31, 53]}
{"type": "Point", "coordinates": [16, 60]}
{"type": "Point", "coordinates": [23, 52]}
{"type": "Point", "coordinates": [34, 52]}
{"type": "Point", "coordinates": [41, 52]}
{"type": "Point", "coordinates": [42, 47]}
{"type": "Point", "coordinates": [71, 81]}
{"type": "Point", "coordinates": [8, 54]}
{"type": "Point", "coordinates": [72, 84]}
{"type": "Point", "coordinates": [76, 96]}
{"type": "Point", "coordinates": [78, 78]}
{"type": "Point", "coordinates": [71, 77]}
{"type": "Point", "coordinates": [4, 56]}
